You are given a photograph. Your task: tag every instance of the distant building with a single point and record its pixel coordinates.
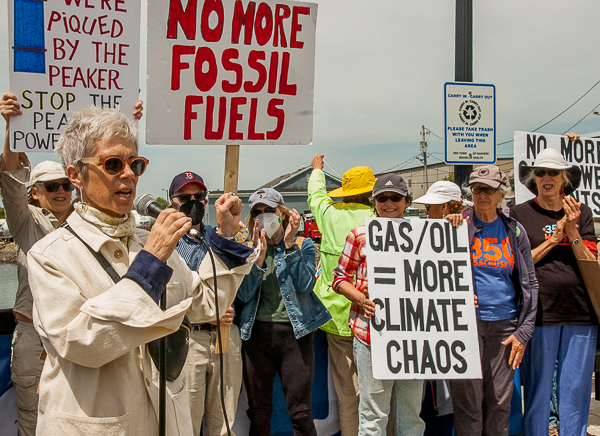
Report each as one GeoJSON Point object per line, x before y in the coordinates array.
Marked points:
{"type": "Point", "coordinates": [292, 186]}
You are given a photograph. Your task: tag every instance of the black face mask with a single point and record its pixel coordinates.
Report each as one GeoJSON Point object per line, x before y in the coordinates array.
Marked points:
{"type": "Point", "coordinates": [193, 209]}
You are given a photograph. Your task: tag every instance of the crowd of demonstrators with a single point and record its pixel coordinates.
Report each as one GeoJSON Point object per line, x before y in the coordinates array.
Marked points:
{"type": "Point", "coordinates": [201, 373]}
{"type": "Point", "coordinates": [335, 220]}
{"type": "Point", "coordinates": [94, 329]}
{"type": "Point", "coordinates": [506, 287]}
{"type": "Point", "coordinates": [31, 214]}
{"type": "Point", "coordinates": [391, 198]}
{"type": "Point", "coordinates": [561, 231]}
{"type": "Point", "coordinates": [278, 314]}
{"type": "Point", "coordinates": [89, 290]}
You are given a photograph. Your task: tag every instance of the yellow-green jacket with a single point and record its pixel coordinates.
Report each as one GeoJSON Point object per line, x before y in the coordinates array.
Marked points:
{"type": "Point", "coordinates": [335, 220]}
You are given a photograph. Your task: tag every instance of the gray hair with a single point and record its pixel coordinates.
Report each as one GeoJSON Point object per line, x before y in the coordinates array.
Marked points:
{"type": "Point", "coordinates": [86, 127]}
{"type": "Point", "coordinates": [529, 179]}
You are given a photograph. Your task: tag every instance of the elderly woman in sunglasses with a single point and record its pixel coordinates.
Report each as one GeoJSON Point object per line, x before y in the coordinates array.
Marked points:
{"type": "Point", "coordinates": [391, 198]}
{"type": "Point", "coordinates": [506, 288]}
{"type": "Point", "coordinates": [30, 216]}
{"type": "Point", "coordinates": [278, 313]}
{"type": "Point", "coordinates": [96, 283]}
{"type": "Point", "coordinates": [561, 231]}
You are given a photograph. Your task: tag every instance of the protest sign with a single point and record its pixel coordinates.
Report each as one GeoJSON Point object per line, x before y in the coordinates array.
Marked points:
{"type": "Point", "coordinates": [419, 274]}
{"type": "Point", "coordinates": [230, 72]}
{"type": "Point", "coordinates": [584, 153]}
{"type": "Point", "coordinates": [68, 54]}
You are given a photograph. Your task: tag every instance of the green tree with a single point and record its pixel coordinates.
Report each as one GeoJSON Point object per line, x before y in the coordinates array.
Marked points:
{"type": "Point", "coordinates": [164, 203]}
{"type": "Point", "coordinates": [449, 177]}
{"type": "Point", "coordinates": [2, 215]}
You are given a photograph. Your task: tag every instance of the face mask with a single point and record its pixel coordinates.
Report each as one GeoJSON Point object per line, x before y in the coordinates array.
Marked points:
{"type": "Point", "coordinates": [270, 222]}
{"type": "Point", "coordinates": [193, 209]}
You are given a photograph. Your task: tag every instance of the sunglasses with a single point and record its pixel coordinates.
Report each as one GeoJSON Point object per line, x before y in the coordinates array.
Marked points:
{"type": "Point", "coordinates": [543, 172]}
{"type": "Point", "coordinates": [115, 165]}
{"type": "Point", "coordinates": [256, 212]}
{"type": "Point", "coordinates": [487, 189]}
{"type": "Point", "coordinates": [393, 198]}
{"type": "Point", "coordinates": [54, 186]}
{"type": "Point", "coordinates": [184, 198]}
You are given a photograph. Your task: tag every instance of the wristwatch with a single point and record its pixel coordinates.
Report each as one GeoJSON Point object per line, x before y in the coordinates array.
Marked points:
{"type": "Point", "coordinates": [576, 241]}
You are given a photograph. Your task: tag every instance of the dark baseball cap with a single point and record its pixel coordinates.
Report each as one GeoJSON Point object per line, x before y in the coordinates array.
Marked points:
{"type": "Point", "coordinates": [185, 178]}
{"type": "Point", "coordinates": [390, 183]}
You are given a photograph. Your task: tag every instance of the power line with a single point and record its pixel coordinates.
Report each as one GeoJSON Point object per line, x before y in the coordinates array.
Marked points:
{"type": "Point", "coordinates": [570, 128]}
{"type": "Point", "coordinates": [576, 101]}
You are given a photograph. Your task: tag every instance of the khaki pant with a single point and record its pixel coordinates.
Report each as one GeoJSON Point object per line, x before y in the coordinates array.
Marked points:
{"type": "Point", "coordinates": [202, 381]}
{"type": "Point", "coordinates": [26, 368]}
{"type": "Point", "coordinates": [345, 381]}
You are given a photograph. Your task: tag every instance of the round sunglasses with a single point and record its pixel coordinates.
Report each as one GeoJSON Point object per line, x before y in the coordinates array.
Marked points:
{"type": "Point", "coordinates": [113, 165]}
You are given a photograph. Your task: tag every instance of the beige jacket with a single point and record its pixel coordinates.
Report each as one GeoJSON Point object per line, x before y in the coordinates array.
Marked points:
{"type": "Point", "coordinates": [28, 224]}
{"type": "Point", "coordinates": [98, 378]}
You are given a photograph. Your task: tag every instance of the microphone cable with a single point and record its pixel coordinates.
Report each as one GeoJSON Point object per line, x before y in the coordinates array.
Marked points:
{"type": "Point", "coordinates": [197, 235]}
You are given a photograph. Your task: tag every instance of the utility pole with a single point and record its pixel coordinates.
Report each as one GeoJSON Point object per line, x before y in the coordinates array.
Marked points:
{"type": "Point", "coordinates": [423, 148]}
{"type": "Point", "coordinates": [463, 64]}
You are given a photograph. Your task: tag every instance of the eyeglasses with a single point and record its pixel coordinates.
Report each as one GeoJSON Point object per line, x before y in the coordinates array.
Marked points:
{"type": "Point", "coordinates": [115, 165]}
{"type": "Point", "coordinates": [54, 186]}
{"type": "Point", "coordinates": [542, 172]}
{"type": "Point", "coordinates": [487, 189]}
{"type": "Point", "coordinates": [184, 198]}
{"type": "Point", "coordinates": [256, 212]}
{"type": "Point", "coordinates": [396, 198]}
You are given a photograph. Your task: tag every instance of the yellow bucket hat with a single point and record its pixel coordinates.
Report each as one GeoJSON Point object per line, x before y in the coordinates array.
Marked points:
{"type": "Point", "coordinates": [357, 180]}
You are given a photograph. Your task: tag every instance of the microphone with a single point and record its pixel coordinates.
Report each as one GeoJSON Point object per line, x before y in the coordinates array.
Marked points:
{"type": "Point", "coordinates": [147, 205]}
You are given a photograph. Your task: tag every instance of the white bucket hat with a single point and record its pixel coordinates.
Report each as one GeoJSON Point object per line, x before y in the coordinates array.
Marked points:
{"type": "Point", "coordinates": [551, 159]}
{"type": "Point", "coordinates": [440, 193]}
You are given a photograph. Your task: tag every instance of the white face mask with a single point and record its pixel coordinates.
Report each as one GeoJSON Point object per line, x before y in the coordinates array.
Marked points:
{"type": "Point", "coordinates": [270, 222]}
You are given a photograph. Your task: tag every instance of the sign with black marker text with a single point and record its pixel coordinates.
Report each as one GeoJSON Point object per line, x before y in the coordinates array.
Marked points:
{"type": "Point", "coordinates": [420, 280]}
{"type": "Point", "coordinates": [583, 152]}
{"type": "Point", "coordinates": [65, 55]}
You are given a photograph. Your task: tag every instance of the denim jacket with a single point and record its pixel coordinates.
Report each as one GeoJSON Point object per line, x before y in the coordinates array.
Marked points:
{"type": "Point", "coordinates": [296, 276]}
{"type": "Point", "coordinates": [524, 278]}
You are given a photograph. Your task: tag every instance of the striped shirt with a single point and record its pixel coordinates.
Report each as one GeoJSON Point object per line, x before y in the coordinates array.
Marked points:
{"type": "Point", "coordinates": [352, 268]}
{"type": "Point", "coordinates": [193, 251]}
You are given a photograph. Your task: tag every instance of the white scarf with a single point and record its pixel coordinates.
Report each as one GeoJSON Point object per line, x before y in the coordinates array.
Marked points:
{"type": "Point", "coordinates": [120, 228]}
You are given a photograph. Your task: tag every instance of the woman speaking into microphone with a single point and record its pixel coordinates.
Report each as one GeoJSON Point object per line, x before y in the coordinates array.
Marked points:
{"type": "Point", "coordinates": [98, 377]}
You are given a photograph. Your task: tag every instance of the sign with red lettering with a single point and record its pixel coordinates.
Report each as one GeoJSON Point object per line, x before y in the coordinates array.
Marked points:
{"type": "Point", "coordinates": [65, 55]}
{"type": "Point", "coordinates": [230, 72]}
{"type": "Point", "coordinates": [419, 275]}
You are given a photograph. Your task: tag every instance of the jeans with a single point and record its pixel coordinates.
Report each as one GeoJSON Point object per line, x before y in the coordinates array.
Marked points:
{"type": "Point", "coordinates": [376, 395]}
{"type": "Point", "coordinates": [575, 348]}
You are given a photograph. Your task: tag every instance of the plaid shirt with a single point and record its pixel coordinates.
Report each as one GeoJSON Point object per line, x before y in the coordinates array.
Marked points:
{"type": "Point", "coordinates": [352, 268]}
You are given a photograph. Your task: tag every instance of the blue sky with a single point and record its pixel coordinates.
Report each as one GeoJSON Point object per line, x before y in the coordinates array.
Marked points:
{"type": "Point", "coordinates": [380, 70]}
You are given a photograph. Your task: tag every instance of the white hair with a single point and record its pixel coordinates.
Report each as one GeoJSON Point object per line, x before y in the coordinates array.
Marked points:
{"type": "Point", "coordinates": [86, 127]}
